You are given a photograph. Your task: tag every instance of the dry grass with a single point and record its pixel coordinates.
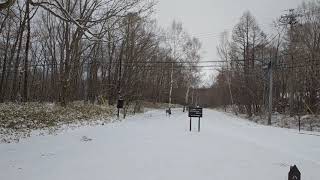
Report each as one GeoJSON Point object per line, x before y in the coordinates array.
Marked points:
{"type": "Point", "coordinates": [19, 120]}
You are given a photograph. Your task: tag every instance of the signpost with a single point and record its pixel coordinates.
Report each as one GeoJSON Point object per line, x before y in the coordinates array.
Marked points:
{"type": "Point", "coordinates": [300, 111]}
{"type": "Point", "coordinates": [120, 105]}
{"type": "Point", "coordinates": [195, 112]}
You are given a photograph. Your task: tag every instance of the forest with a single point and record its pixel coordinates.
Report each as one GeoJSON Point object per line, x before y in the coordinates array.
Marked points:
{"type": "Point", "coordinates": [99, 51]}
{"type": "Point", "coordinates": [94, 51]}
{"type": "Point", "coordinates": [275, 72]}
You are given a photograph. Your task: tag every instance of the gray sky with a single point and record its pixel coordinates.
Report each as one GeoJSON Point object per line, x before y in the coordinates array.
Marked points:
{"type": "Point", "coordinates": [206, 19]}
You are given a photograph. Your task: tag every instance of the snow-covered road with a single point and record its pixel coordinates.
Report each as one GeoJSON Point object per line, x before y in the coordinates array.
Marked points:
{"type": "Point", "coordinates": [152, 146]}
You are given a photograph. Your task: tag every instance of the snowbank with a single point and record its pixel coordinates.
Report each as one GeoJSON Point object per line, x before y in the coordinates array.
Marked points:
{"type": "Point", "coordinates": [308, 122]}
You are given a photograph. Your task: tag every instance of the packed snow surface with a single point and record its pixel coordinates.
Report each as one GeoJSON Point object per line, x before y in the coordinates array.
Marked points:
{"type": "Point", "coordinates": [152, 146]}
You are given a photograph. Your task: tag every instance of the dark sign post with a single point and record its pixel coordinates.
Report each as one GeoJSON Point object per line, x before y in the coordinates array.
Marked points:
{"type": "Point", "coordinates": [294, 173]}
{"type": "Point", "coordinates": [195, 112]}
{"type": "Point", "coordinates": [300, 111]}
{"type": "Point", "coordinates": [120, 106]}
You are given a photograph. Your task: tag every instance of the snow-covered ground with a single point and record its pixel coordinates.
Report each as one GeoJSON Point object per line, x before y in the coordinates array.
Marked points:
{"type": "Point", "coordinates": [152, 146]}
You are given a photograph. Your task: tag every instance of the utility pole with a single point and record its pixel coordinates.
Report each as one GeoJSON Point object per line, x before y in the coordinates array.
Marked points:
{"type": "Point", "coordinates": [273, 60]}
{"type": "Point", "coordinates": [290, 19]}
{"type": "Point", "coordinates": [120, 101]}
{"type": "Point", "coordinates": [270, 68]}
{"type": "Point", "coordinates": [119, 86]}
{"type": "Point", "coordinates": [229, 86]}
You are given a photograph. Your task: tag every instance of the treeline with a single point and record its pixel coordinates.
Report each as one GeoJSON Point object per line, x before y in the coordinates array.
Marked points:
{"type": "Point", "coordinates": [69, 50]}
{"type": "Point", "coordinates": [289, 59]}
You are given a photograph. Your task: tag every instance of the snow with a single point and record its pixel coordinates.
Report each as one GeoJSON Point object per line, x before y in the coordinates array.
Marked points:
{"type": "Point", "coordinates": [152, 146]}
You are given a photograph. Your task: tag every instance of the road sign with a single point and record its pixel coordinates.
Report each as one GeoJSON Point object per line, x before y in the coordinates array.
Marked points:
{"type": "Point", "coordinates": [195, 112]}
{"type": "Point", "coordinates": [120, 104]}
{"type": "Point", "coordinates": [294, 173]}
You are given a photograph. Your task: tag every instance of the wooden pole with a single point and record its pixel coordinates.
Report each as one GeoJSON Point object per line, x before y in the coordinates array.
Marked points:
{"type": "Point", "coordinates": [299, 123]}
{"type": "Point", "coordinates": [199, 125]}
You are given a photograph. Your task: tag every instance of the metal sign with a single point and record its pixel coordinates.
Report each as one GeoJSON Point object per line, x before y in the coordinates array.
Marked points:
{"type": "Point", "coordinates": [120, 104]}
{"type": "Point", "coordinates": [294, 173]}
{"type": "Point", "coordinates": [195, 112]}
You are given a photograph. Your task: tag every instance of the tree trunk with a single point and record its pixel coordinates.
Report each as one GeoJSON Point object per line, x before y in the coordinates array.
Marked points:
{"type": "Point", "coordinates": [5, 64]}
{"type": "Point", "coordinates": [171, 86]}
{"type": "Point", "coordinates": [26, 69]}
{"type": "Point", "coordinates": [17, 61]}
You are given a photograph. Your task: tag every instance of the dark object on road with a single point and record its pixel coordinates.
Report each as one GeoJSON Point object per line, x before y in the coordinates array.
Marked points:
{"type": "Point", "coordinates": [294, 173]}
{"type": "Point", "coordinates": [168, 111]}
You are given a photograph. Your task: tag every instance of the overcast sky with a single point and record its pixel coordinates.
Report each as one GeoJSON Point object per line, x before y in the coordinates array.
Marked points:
{"type": "Point", "coordinates": [206, 19]}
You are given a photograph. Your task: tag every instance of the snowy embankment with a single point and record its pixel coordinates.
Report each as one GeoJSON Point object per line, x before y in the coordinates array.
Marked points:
{"type": "Point", "coordinates": [308, 122]}
{"type": "Point", "coordinates": [152, 146]}
{"type": "Point", "coordinates": [25, 119]}
{"type": "Point", "coordinates": [22, 120]}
